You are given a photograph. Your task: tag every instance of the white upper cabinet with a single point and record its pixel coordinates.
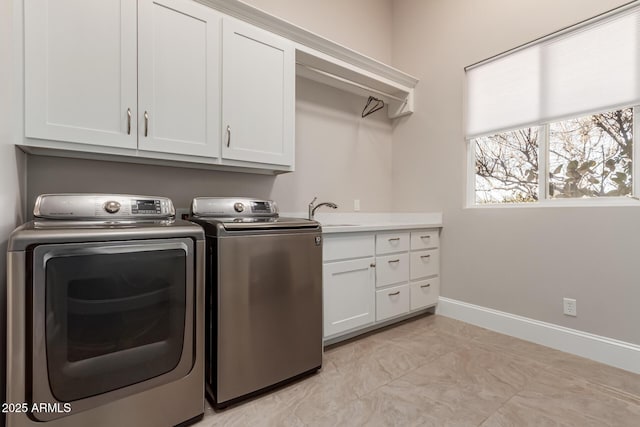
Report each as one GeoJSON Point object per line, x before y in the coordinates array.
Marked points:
{"type": "Point", "coordinates": [179, 77]}
{"type": "Point", "coordinates": [163, 81]}
{"type": "Point", "coordinates": [80, 71]}
{"type": "Point", "coordinates": [140, 75]}
{"type": "Point", "coordinates": [258, 95]}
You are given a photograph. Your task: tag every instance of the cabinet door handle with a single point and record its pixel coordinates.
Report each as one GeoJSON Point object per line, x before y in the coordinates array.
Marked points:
{"type": "Point", "coordinates": [425, 256]}
{"type": "Point", "coordinates": [372, 265]}
{"type": "Point", "coordinates": [426, 286]}
{"type": "Point", "coordinates": [395, 238]}
{"type": "Point", "coordinates": [128, 121]}
{"type": "Point", "coordinates": [393, 260]}
{"type": "Point", "coordinates": [394, 293]}
{"type": "Point", "coordinates": [228, 135]}
{"type": "Point", "coordinates": [146, 124]}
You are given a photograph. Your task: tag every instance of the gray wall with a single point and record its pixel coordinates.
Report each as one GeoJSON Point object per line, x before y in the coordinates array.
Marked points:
{"type": "Point", "coordinates": [521, 261]}
{"type": "Point", "coordinates": [339, 156]}
{"type": "Point", "coordinates": [518, 260]}
{"type": "Point", "coordinates": [11, 168]}
{"type": "Point", "coordinates": [362, 25]}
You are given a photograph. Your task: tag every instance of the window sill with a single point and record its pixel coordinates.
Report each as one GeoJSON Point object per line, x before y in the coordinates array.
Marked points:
{"type": "Point", "coordinates": [566, 203]}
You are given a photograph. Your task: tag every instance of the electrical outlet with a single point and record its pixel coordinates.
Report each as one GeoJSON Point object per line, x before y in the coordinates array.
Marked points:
{"type": "Point", "coordinates": [356, 205]}
{"type": "Point", "coordinates": [570, 307]}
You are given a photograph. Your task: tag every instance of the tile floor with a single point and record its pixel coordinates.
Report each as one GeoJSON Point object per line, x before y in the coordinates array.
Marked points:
{"type": "Point", "coordinates": [436, 371]}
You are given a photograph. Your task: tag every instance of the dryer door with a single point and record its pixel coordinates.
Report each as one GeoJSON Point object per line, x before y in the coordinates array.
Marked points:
{"type": "Point", "coordinates": [114, 317]}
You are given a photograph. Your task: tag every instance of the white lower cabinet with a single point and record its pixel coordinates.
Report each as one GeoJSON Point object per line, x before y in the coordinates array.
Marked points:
{"type": "Point", "coordinates": [348, 292]}
{"type": "Point", "coordinates": [374, 277]}
{"type": "Point", "coordinates": [391, 302]}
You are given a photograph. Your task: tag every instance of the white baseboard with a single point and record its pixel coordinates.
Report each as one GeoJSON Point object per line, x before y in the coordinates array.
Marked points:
{"type": "Point", "coordinates": [601, 349]}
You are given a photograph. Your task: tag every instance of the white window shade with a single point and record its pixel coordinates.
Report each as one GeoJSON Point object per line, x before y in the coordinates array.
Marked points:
{"type": "Point", "coordinates": [504, 94]}
{"type": "Point", "coordinates": [594, 67]}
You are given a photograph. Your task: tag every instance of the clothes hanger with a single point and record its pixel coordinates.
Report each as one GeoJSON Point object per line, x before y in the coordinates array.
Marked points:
{"type": "Point", "coordinates": [373, 105]}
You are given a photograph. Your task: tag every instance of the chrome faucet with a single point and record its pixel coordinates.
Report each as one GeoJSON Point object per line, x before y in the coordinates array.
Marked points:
{"type": "Point", "coordinates": [312, 207]}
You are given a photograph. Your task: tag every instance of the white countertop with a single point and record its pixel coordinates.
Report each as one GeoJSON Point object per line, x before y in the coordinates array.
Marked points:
{"type": "Point", "coordinates": [357, 222]}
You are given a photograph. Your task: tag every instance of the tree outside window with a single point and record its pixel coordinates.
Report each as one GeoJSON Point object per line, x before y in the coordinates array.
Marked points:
{"type": "Point", "coordinates": [588, 157]}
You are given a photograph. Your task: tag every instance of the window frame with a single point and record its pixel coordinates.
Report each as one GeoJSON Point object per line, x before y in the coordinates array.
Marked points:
{"type": "Point", "coordinates": [543, 184]}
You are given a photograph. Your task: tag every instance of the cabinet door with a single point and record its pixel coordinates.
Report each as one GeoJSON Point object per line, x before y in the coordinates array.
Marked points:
{"type": "Point", "coordinates": [80, 71]}
{"type": "Point", "coordinates": [349, 295]}
{"type": "Point", "coordinates": [258, 95]}
{"type": "Point", "coordinates": [179, 78]}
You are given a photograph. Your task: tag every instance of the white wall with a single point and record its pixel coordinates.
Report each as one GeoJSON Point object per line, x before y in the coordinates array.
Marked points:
{"type": "Point", "coordinates": [518, 260]}
{"type": "Point", "coordinates": [11, 168]}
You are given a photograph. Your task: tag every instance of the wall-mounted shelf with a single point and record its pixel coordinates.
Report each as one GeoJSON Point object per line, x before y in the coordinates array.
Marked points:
{"type": "Point", "coordinates": [330, 63]}
{"type": "Point", "coordinates": [324, 69]}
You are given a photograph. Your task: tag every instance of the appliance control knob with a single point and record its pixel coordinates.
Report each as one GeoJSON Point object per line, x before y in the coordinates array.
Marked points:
{"type": "Point", "coordinates": [239, 207]}
{"type": "Point", "coordinates": [111, 206]}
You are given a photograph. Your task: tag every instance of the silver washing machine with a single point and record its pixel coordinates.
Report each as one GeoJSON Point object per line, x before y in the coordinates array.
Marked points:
{"type": "Point", "coordinates": [263, 297]}
{"type": "Point", "coordinates": [105, 314]}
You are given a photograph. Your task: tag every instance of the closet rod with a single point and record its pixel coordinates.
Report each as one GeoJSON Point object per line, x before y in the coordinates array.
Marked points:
{"type": "Point", "coordinates": [352, 83]}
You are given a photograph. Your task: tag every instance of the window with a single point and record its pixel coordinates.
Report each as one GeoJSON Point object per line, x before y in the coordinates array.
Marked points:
{"type": "Point", "coordinates": [553, 120]}
{"type": "Point", "coordinates": [507, 167]}
{"type": "Point", "coordinates": [591, 156]}
{"type": "Point", "coordinates": [586, 157]}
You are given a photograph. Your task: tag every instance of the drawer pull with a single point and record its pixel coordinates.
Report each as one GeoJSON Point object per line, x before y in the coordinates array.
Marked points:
{"type": "Point", "coordinates": [425, 237]}
{"type": "Point", "coordinates": [394, 239]}
{"type": "Point", "coordinates": [425, 256]}
{"type": "Point", "coordinates": [428, 285]}
{"type": "Point", "coordinates": [394, 293]}
{"type": "Point", "coordinates": [393, 260]}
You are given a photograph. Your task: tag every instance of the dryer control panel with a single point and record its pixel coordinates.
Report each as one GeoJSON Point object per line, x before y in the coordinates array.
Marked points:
{"type": "Point", "coordinates": [101, 207]}
{"type": "Point", "coordinates": [233, 207]}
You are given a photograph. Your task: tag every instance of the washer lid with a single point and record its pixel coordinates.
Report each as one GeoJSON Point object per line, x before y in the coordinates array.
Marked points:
{"type": "Point", "coordinates": [100, 207]}
{"type": "Point", "coordinates": [239, 224]}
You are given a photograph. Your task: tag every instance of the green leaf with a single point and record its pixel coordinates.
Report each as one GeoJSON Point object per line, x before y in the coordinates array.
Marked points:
{"type": "Point", "coordinates": [557, 170]}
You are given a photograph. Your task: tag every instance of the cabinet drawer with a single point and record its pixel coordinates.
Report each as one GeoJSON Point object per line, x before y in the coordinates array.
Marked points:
{"type": "Point", "coordinates": [425, 293]}
{"type": "Point", "coordinates": [392, 269]}
{"type": "Point", "coordinates": [425, 263]}
{"type": "Point", "coordinates": [392, 302]}
{"type": "Point", "coordinates": [425, 239]}
{"type": "Point", "coordinates": [387, 243]}
{"type": "Point", "coordinates": [348, 246]}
